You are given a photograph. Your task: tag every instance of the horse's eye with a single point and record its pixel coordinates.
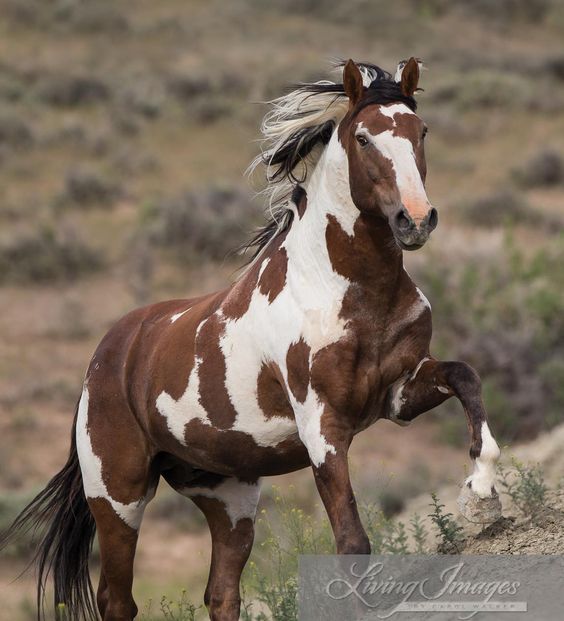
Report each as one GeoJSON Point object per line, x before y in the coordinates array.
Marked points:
{"type": "Point", "coordinates": [361, 140]}
{"type": "Point", "coordinates": [424, 133]}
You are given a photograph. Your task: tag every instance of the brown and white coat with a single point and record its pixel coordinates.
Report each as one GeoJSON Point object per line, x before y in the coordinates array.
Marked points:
{"type": "Point", "coordinates": [324, 334]}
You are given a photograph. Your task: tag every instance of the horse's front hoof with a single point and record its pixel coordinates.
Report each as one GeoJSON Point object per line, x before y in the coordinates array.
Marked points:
{"type": "Point", "coordinates": [476, 509]}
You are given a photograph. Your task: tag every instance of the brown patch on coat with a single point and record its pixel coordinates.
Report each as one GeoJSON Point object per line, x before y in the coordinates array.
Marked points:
{"type": "Point", "coordinates": [297, 363]}
{"type": "Point", "coordinates": [273, 277]}
{"type": "Point", "coordinates": [361, 257]}
{"type": "Point", "coordinates": [214, 397]}
{"type": "Point", "coordinates": [238, 299]}
{"type": "Point", "coordinates": [271, 395]}
{"type": "Point", "coordinates": [333, 376]}
{"type": "Point", "coordinates": [235, 453]}
{"type": "Point", "coordinates": [168, 347]}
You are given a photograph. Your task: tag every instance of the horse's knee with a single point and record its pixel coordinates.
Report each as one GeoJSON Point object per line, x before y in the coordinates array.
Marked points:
{"type": "Point", "coordinates": [463, 378]}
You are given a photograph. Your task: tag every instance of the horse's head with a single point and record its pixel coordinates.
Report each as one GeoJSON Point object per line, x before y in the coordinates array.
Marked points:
{"type": "Point", "coordinates": [384, 143]}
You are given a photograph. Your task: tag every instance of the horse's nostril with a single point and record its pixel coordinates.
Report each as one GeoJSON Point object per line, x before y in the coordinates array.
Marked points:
{"type": "Point", "coordinates": [403, 220]}
{"type": "Point", "coordinates": [433, 218]}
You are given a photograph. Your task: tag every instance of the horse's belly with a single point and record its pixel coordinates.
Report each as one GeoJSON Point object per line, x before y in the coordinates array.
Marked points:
{"type": "Point", "coordinates": [231, 452]}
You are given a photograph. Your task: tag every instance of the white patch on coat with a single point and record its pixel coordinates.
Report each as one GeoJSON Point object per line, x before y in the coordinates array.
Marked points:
{"type": "Point", "coordinates": [398, 400]}
{"type": "Point", "coordinates": [240, 499]}
{"type": "Point", "coordinates": [418, 367]}
{"type": "Point", "coordinates": [91, 468]}
{"type": "Point", "coordinates": [393, 109]}
{"type": "Point", "coordinates": [420, 305]}
{"type": "Point", "coordinates": [482, 480]}
{"type": "Point", "coordinates": [175, 411]}
{"type": "Point", "coordinates": [306, 308]}
{"type": "Point", "coordinates": [423, 298]}
{"type": "Point", "coordinates": [178, 315]}
{"type": "Point", "coordinates": [308, 418]}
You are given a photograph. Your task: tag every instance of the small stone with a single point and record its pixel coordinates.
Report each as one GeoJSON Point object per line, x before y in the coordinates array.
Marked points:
{"type": "Point", "coordinates": [478, 510]}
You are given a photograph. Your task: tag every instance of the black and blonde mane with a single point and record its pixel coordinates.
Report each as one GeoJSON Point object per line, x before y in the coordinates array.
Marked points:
{"type": "Point", "coordinates": [295, 132]}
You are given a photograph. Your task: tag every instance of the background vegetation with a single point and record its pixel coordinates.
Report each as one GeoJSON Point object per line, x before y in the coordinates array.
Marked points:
{"type": "Point", "coordinates": [125, 129]}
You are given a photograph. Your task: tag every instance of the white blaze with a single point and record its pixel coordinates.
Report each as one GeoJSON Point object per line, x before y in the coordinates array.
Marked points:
{"type": "Point", "coordinates": [400, 152]}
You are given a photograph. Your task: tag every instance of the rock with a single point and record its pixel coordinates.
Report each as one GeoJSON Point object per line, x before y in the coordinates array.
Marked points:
{"type": "Point", "coordinates": [478, 510]}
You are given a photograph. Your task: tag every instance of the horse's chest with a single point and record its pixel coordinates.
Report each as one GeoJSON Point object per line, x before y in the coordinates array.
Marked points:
{"type": "Point", "coordinates": [382, 346]}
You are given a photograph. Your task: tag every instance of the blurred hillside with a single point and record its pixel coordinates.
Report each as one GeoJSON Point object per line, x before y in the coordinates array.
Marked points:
{"type": "Point", "coordinates": [125, 129]}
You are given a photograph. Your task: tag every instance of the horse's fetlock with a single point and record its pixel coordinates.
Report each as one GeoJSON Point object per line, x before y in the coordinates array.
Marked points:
{"type": "Point", "coordinates": [354, 544]}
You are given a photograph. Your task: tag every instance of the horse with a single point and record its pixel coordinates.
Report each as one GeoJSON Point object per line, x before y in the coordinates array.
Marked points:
{"type": "Point", "coordinates": [321, 335]}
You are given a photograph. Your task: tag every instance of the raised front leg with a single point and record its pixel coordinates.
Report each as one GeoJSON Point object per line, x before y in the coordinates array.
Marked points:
{"type": "Point", "coordinates": [327, 442]}
{"type": "Point", "coordinates": [430, 384]}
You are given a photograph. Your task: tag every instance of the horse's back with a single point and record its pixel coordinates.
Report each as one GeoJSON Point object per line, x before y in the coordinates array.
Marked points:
{"type": "Point", "coordinates": [119, 365]}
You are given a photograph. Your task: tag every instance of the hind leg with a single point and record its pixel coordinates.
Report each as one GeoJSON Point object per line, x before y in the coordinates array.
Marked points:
{"type": "Point", "coordinates": [230, 511]}
{"type": "Point", "coordinates": [229, 506]}
{"type": "Point", "coordinates": [117, 550]}
{"type": "Point", "coordinates": [118, 481]}
{"type": "Point", "coordinates": [102, 594]}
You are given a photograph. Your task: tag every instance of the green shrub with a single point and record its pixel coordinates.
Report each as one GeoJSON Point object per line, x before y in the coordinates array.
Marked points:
{"type": "Point", "coordinates": [71, 90]}
{"type": "Point", "coordinates": [288, 531]}
{"type": "Point", "coordinates": [202, 224]}
{"type": "Point", "coordinates": [544, 168]}
{"type": "Point", "coordinates": [100, 17]}
{"type": "Point", "coordinates": [15, 133]}
{"type": "Point", "coordinates": [86, 187]}
{"type": "Point", "coordinates": [524, 484]}
{"type": "Point", "coordinates": [449, 532]}
{"type": "Point", "coordinates": [500, 208]}
{"type": "Point", "coordinates": [484, 88]}
{"type": "Point", "coordinates": [169, 610]}
{"type": "Point", "coordinates": [46, 256]}
{"type": "Point", "coordinates": [11, 503]}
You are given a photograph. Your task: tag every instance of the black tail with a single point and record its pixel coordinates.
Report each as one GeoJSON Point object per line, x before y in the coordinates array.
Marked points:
{"type": "Point", "coordinates": [61, 519]}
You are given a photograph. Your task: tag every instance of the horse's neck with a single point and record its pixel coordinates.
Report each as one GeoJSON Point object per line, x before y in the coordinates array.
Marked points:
{"type": "Point", "coordinates": [332, 242]}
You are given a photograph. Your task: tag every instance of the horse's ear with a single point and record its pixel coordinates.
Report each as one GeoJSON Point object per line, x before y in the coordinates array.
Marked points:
{"type": "Point", "coordinates": [410, 77]}
{"type": "Point", "coordinates": [352, 81]}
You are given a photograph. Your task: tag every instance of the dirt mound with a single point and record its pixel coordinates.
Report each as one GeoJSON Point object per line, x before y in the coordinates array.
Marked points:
{"type": "Point", "coordinates": [514, 533]}
{"type": "Point", "coordinates": [540, 534]}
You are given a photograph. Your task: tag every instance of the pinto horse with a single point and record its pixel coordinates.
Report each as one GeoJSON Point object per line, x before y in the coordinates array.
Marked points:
{"type": "Point", "coordinates": [322, 335]}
